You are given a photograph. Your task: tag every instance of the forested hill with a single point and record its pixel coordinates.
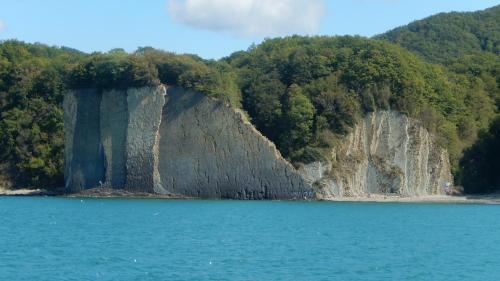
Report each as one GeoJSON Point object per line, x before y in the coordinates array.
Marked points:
{"type": "Point", "coordinates": [447, 35]}
{"type": "Point", "coordinates": [468, 44]}
{"type": "Point", "coordinates": [303, 93]}
{"type": "Point", "coordinates": [34, 78]}
{"type": "Point", "coordinates": [32, 87]}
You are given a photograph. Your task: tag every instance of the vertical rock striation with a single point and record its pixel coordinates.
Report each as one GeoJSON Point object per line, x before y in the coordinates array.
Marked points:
{"type": "Point", "coordinates": [145, 110]}
{"type": "Point", "coordinates": [84, 154]}
{"type": "Point", "coordinates": [177, 142]}
{"type": "Point", "coordinates": [114, 122]}
{"type": "Point", "coordinates": [171, 142]}
{"type": "Point", "coordinates": [208, 150]}
{"type": "Point", "coordinates": [388, 154]}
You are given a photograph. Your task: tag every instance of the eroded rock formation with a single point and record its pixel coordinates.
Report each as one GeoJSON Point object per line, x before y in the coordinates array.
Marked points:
{"type": "Point", "coordinates": [171, 141]}
{"type": "Point", "coordinates": [388, 154]}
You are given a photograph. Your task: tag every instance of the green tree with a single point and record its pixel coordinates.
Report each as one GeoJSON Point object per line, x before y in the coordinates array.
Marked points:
{"type": "Point", "coordinates": [448, 35]}
{"type": "Point", "coordinates": [296, 121]}
{"type": "Point", "coordinates": [481, 163]}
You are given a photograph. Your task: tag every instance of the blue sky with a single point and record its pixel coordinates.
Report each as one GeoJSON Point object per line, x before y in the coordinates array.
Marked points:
{"type": "Point", "coordinates": [209, 28]}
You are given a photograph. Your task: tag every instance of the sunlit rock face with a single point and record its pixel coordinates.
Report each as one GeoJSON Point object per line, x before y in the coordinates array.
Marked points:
{"type": "Point", "coordinates": [170, 141]}
{"type": "Point", "coordinates": [387, 154]}
{"type": "Point", "coordinates": [207, 149]}
{"type": "Point", "coordinates": [166, 140]}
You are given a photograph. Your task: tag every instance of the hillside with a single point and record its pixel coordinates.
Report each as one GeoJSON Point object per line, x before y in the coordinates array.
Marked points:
{"type": "Point", "coordinates": [303, 93]}
{"type": "Point", "coordinates": [448, 35]}
{"type": "Point", "coordinates": [31, 131]}
{"type": "Point", "coordinates": [35, 77]}
{"type": "Point", "coordinates": [467, 44]}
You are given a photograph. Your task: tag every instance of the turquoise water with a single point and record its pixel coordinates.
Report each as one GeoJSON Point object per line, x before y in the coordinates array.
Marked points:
{"type": "Point", "coordinates": [119, 239]}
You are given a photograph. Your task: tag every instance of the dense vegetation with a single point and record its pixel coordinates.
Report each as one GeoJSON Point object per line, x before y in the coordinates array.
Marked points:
{"type": "Point", "coordinates": [34, 78]}
{"type": "Point", "coordinates": [31, 131]}
{"type": "Point", "coordinates": [447, 35]}
{"type": "Point", "coordinates": [303, 93]}
{"type": "Point", "coordinates": [481, 163]}
{"type": "Point", "coordinates": [147, 66]}
{"type": "Point", "coordinates": [467, 44]}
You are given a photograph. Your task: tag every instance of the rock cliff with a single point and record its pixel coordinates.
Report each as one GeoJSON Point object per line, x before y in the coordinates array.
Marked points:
{"type": "Point", "coordinates": [170, 141]}
{"type": "Point", "coordinates": [84, 155]}
{"type": "Point", "coordinates": [166, 140]}
{"type": "Point", "coordinates": [388, 154]}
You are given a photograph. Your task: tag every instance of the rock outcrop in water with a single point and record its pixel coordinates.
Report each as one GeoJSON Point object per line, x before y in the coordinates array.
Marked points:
{"type": "Point", "coordinates": [387, 153]}
{"type": "Point", "coordinates": [173, 142]}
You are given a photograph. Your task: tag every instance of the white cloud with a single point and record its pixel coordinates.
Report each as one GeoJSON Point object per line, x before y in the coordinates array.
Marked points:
{"type": "Point", "coordinates": [2, 25]}
{"type": "Point", "coordinates": [250, 17]}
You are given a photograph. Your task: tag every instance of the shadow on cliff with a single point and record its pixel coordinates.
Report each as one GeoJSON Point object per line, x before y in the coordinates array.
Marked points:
{"type": "Point", "coordinates": [177, 102]}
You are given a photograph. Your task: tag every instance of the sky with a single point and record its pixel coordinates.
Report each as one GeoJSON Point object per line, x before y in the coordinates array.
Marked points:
{"type": "Point", "coordinates": [208, 28]}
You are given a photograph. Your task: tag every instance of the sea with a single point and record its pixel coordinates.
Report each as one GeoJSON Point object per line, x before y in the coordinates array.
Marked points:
{"type": "Point", "coordinates": [53, 238]}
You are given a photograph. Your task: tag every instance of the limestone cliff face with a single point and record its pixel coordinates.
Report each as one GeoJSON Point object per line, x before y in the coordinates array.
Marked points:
{"type": "Point", "coordinates": [113, 131]}
{"type": "Point", "coordinates": [207, 149]}
{"type": "Point", "coordinates": [388, 154]}
{"type": "Point", "coordinates": [167, 140]}
{"type": "Point", "coordinates": [171, 141]}
{"type": "Point", "coordinates": [145, 107]}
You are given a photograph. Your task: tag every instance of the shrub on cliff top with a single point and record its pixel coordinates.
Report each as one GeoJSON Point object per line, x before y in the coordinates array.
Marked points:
{"type": "Point", "coordinates": [113, 71]}
{"type": "Point", "coordinates": [213, 78]}
{"type": "Point", "coordinates": [147, 66]}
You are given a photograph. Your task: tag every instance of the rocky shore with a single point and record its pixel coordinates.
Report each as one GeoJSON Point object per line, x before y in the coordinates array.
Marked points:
{"type": "Point", "coordinates": [445, 199]}
{"type": "Point", "coordinates": [24, 192]}
{"type": "Point", "coordinates": [116, 193]}
{"type": "Point", "coordinates": [120, 193]}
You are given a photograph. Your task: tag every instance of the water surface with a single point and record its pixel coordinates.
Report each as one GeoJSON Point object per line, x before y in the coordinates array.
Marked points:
{"type": "Point", "coordinates": [45, 238]}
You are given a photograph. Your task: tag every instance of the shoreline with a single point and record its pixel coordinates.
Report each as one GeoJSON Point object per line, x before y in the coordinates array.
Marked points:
{"type": "Point", "coordinates": [443, 199]}
{"type": "Point", "coordinates": [25, 192]}
{"type": "Point", "coordinates": [117, 193]}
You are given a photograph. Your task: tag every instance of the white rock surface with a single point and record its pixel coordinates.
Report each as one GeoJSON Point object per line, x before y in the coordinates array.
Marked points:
{"type": "Point", "coordinates": [387, 153]}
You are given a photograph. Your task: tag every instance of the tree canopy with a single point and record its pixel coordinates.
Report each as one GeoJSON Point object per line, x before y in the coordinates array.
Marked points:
{"type": "Point", "coordinates": [481, 165]}
{"type": "Point", "coordinates": [343, 78]}
{"type": "Point", "coordinates": [468, 44]}
{"type": "Point", "coordinates": [303, 93]}
{"type": "Point", "coordinates": [35, 77]}
{"type": "Point", "coordinates": [447, 35]}
{"type": "Point", "coordinates": [32, 87]}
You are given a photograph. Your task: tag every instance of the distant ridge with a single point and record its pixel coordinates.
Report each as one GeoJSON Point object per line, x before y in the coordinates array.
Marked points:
{"type": "Point", "coordinates": [446, 35]}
